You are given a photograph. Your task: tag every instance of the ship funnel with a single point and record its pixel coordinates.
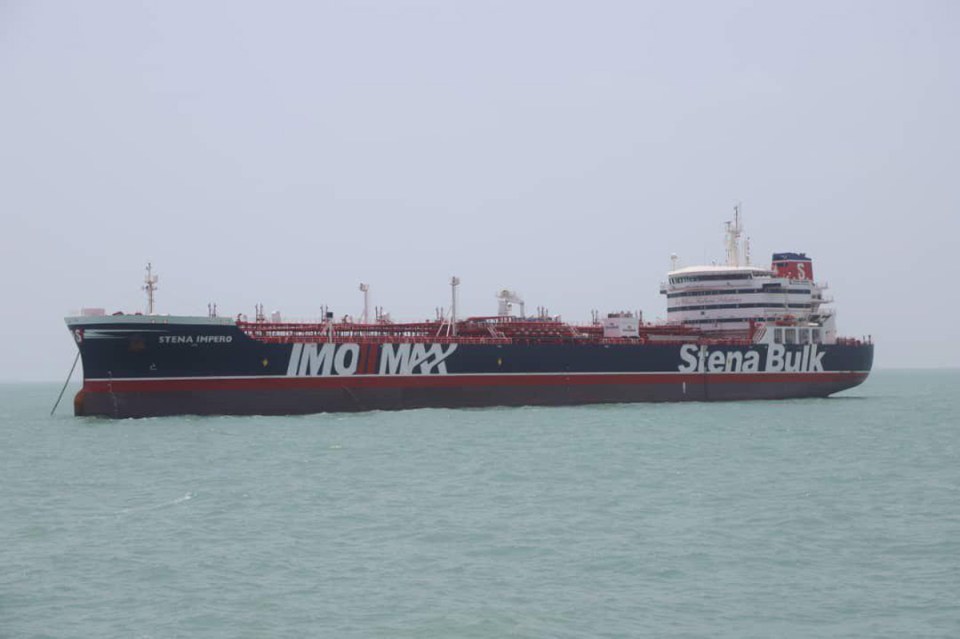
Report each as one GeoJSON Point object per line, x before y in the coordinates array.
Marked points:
{"type": "Point", "coordinates": [794, 266]}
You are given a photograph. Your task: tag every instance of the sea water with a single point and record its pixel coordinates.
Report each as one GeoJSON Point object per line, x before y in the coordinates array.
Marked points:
{"type": "Point", "coordinates": [806, 518]}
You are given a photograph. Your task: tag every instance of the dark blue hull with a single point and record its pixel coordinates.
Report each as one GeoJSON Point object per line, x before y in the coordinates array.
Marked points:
{"type": "Point", "coordinates": [152, 366]}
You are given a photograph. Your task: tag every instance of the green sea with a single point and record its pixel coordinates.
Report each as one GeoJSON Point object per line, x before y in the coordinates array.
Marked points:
{"type": "Point", "coordinates": [831, 517]}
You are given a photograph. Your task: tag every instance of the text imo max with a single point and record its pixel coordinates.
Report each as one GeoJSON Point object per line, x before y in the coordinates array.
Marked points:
{"type": "Point", "coordinates": [343, 359]}
{"type": "Point", "coordinates": [700, 359]}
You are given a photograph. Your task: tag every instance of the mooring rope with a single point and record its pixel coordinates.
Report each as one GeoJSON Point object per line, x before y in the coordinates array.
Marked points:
{"type": "Point", "coordinates": [60, 396]}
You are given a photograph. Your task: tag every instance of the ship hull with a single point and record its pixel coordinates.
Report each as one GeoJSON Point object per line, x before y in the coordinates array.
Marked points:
{"type": "Point", "coordinates": [264, 398]}
{"type": "Point", "coordinates": [142, 368]}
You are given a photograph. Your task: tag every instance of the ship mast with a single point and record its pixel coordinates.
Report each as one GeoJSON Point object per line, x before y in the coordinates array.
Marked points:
{"type": "Point", "coordinates": [150, 285]}
{"type": "Point", "coordinates": [365, 288]}
{"type": "Point", "coordinates": [454, 283]}
{"type": "Point", "coordinates": [734, 231]}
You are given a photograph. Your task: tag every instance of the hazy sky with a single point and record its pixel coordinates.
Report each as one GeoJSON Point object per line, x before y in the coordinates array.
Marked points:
{"type": "Point", "coordinates": [283, 152]}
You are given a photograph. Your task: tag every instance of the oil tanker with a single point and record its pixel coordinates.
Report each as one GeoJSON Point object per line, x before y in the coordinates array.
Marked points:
{"type": "Point", "coordinates": [732, 332]}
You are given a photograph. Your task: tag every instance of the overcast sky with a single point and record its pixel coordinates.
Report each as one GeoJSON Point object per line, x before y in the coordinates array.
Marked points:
{"type": "Point", "coordinates": [283, 152]}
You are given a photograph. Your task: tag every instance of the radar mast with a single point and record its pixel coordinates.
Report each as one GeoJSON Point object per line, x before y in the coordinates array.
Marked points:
{"type": "Point", "coordinates": [734, 232]}
{"type": "Point", "coordinates": [150, 285]}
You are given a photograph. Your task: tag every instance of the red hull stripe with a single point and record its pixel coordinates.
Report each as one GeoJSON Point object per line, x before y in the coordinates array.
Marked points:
{"type": "Point", "coordinates": [452, 381]}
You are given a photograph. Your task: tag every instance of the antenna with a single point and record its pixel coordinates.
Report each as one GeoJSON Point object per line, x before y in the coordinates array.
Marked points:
{"type": "Point", "coordinates": [734, 231]}
{"type": "Point", "coordinates": [674, 260]}
{"type": "Point", "coordinates": [364, 319]}
{"type": "Point", "coordinates": [150, 285]}
{"type": "Point", "coordinates": [454, 283]}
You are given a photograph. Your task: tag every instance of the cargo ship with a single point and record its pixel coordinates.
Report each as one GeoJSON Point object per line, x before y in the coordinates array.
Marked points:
{"type": "Point", "coordinates": [733, 331]}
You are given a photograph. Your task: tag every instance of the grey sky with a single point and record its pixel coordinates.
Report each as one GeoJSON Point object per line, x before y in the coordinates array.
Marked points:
{"type": "Point", "coordinates": [284, 152]}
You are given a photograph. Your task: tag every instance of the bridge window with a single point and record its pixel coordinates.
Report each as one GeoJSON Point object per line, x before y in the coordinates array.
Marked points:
{"type": "Point", "coordinates": [711, 277]}
{"type": "Point", "coordinates": [790, 336]}
{"type": "Point", "coordinates": [778, 335]}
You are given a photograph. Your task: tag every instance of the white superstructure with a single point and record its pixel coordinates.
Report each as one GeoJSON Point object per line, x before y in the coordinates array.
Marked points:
{"type": "Point", "coordinates": [740, 299]}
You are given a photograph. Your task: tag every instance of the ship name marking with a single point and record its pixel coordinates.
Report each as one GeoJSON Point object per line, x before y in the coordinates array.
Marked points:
{"type": "Point", "coordinates": [196, 339]}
